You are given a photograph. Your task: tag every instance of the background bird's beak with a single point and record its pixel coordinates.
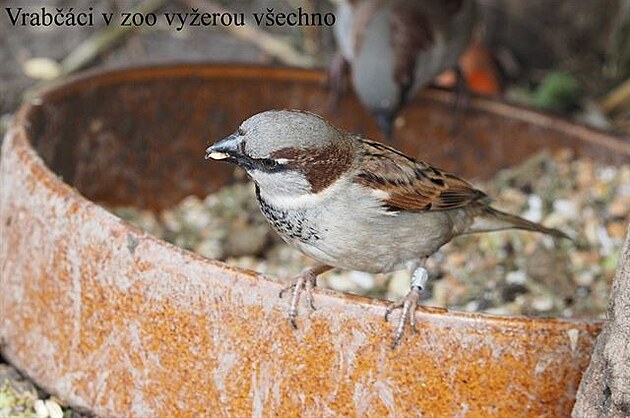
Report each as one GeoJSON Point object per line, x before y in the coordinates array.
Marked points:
{"type": "Point", "coordinates": [227, 148]}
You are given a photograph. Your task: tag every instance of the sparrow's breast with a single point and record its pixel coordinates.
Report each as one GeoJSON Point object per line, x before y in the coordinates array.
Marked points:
{"type": "Point", "coordinates": [350, 229]}
{"type": "Point", "coordinates": [293, 225]}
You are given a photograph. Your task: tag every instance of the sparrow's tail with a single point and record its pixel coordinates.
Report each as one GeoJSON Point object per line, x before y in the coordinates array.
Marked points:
{"type": "Point", "coordinates": [494, 220]}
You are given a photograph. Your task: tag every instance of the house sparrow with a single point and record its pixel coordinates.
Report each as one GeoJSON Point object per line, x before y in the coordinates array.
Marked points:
{"type": "Point", "coordinates": [395, 47]}
{"type": "Point", "coordinates": [353, 203]}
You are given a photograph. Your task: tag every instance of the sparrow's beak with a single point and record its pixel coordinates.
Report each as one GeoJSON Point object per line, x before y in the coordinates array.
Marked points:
{"type": "Point", "coordinates": [228, 148]}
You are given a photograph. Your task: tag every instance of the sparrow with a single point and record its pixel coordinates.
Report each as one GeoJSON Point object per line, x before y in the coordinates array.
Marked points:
{"type": "Point", "coordinates": [393, 48]}
{"type": "Point", "coordinates": [352, 203]}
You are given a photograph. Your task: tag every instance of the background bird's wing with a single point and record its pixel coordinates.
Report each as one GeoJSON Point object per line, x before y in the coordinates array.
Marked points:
{"type": "Point", "coordinates": [414, 27]}
{"type": "Point", "coordinates": [411, 33]}
{"type": "Point", "coordinates": [411, 185]}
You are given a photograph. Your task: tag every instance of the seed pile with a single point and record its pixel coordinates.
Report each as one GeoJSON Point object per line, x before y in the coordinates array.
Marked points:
{"type": "Point", "coordinates": [508, 272]}
{"type": "Point", "coordinates": [19, 398]}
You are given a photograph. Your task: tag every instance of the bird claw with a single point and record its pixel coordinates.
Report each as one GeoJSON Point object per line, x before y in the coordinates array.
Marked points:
{"type": "Point", "coordinates": [308, 287]}
{"type": "Point", "coordinates": [304, 282]}
{"type": "Point", "coordinates": [284, 289]}
{"type": "Point", "coordinates": [408, 305]}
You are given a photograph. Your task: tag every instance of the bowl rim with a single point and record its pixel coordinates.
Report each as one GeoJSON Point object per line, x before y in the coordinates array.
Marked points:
{"type": "Point", "coordinates": [32, 161]}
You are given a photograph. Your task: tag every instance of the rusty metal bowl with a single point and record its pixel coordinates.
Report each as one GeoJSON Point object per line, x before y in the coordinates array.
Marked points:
{"type": "Point", "coordinates": [115, 321]}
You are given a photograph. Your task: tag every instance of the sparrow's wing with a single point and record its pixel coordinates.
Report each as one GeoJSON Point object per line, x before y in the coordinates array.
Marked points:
{"type": "Point", "coordinates": [409, 185]}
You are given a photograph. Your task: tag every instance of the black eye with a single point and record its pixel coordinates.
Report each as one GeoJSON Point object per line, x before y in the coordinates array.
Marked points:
{"type": "Point", "coordinates": [240, 131]}
{"type": "Point", "coordinates": [269, 163]}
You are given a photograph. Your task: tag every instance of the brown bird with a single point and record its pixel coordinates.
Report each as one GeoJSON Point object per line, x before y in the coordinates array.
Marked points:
{"type": "Point", "coordinates": [395, 47]}
{"type": "Point", "coordinates": [356, 204]}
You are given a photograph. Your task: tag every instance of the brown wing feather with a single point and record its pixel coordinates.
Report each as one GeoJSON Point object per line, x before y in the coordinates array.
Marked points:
{"type": "Point", "coordinates": [412, 185]}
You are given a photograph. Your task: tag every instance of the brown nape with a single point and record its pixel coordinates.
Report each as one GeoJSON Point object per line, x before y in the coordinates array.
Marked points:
{"type": "Point", "coordinates": [320, 166]}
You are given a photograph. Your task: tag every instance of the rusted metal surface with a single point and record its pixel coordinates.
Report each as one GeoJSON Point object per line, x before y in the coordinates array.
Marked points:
{"type": "Point", "coordinates": [113, 320]}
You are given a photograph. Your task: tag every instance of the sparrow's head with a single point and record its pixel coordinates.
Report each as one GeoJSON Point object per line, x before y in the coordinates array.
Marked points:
{"type": "Point", "coordinates": [287, 152]}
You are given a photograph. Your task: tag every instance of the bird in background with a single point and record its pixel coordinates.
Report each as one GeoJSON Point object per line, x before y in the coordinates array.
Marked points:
{"type": "Point", "coordinates": [393, 48]}
{"type": "Point", "coordinates": [352, 203]}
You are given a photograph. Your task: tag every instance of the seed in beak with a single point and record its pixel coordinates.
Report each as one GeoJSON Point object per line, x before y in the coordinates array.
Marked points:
{"type": "Point", "coordinates": [217, 155]}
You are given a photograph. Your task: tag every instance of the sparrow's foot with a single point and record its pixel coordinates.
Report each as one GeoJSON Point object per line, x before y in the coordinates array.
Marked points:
{"type": "Point", "coordinates": [408, 304]}
{"type": "Point", "coordinates": [305, 282]}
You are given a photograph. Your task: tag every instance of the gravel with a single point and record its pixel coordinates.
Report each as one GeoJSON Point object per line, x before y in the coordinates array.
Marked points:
{"type": "Point", "coordinates": [506, 273]}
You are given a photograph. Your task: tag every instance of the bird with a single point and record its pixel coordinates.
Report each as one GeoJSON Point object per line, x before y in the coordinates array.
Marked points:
{"type": "Point", "coordinates": [353, 203]}
{"type": "Point", "coordinates": [393, 48]}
